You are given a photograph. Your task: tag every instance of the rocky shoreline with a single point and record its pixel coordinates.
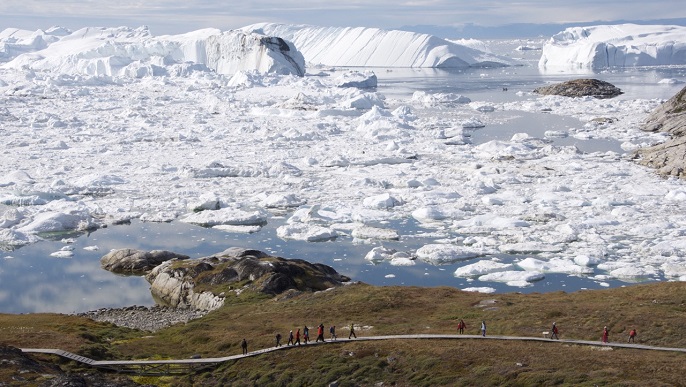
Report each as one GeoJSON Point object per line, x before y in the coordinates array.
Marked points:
{"type": "Point", "coordinates": [145, 318]}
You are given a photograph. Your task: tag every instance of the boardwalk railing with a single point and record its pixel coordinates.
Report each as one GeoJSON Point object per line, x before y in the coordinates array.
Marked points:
{"type": "Point", "coordinates": [182, 366]}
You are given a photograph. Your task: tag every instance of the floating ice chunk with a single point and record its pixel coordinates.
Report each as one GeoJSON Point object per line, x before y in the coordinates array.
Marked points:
{"type": "Point", "coordinates": [529, 248]}
{"type": "Point", "coordinates": [16, 177]}
{"type": "Point", "coordinates": [62, 254]}
{"type": "Point", "coordinates": [314, 214]}
{"type": "Point", "coordinates": [630, 272]}
{"type": "Point", "coordinates": [96, 180]}
{"type": "Point", "coordinates": [226, 216]}
{"type": "Point", "coordinates": [360, 80]}
{"type": "Point", "coordinates": [555, 134]}
{"type": "Point", "coordinates": [428, 214]}
{"type": "Point", "coordinates": [384, 200]}
{"type": "Point", "coordinates": [206, 201]}
{"type": "Point", "coordinates": [491, 201]}
{"type": "Point", "coordinates": [304, 232]}
{"type": "Point", "coordinates": [402, 261]}
{"type": "Point", "coordinates": [375, 233]}
{"type": "Point", "coordinates": [379, 253]}
{"type": "Point", "coordinates": [279, 200]}
{"type": "Point", "coordinates": [240, 229]}
{"type": "Point", "coordinates": [483, 289]}
{"type": "Point", "coordinates": [483, 108]}
{"type": "Point", "coordinates": [92, 248]}
{"type": "Point", "coordinates": [554, 265]}
{"type": "Point", "coordinates": [490, 221]}
{"type": "Point", "coordinates": [362, 101]}
{"type": "Point", "coordinates": [669, 81]}
{"type": "Point", "coordinates": [676, 194]}
{"type": "Point", "coordinates": [404, 113]}
{"type": "Point", "coordinates": [676, 247]}
{"type": "Point", "coordinates": [160, 216]}
{"type": "Point", "coordinates": [52, 221]}
{"type": "Point", "coordinates": [481, 268]}
{"type": "Point", "coordinates": [674, 269]}
{"type": "Point", "coordinates": [473, 123]}
{"type": "Point", "coordinates": [389, 276]}
{"type": "Point", "coordinates": [499, 149]}
{"type": "Point", "coordinates": [439, 254]}
{"type": "Point", "coordinates": [513, 277]}
{"type": "Point", "coordinates": [439, 98]}
{"type": "Point", "coordinates": [14, 238]}
{"type": "Point", "coordinates": [585, 260]}
{"type": "Point", "coordinates": [11, 217]}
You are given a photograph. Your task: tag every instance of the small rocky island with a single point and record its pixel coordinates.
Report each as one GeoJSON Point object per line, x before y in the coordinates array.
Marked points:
{"type": "Point", "coordinates": [581, 88]}
{"type": "Point", "coordinates": [669, 157]}
{"type": "Point", "coordinates": [189, 288]}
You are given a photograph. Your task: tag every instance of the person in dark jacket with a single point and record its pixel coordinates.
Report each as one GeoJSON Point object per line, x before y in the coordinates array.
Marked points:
{"type": "Point", "coordinates": [244, 346]}
{"type": "Point", "coordinates": [461, 326]}
{"type": "Point", "coordinates": [553, 332]}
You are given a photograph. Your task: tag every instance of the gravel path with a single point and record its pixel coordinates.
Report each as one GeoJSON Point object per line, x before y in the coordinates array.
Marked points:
{"type": "Point", "coordinates": [144, 318]}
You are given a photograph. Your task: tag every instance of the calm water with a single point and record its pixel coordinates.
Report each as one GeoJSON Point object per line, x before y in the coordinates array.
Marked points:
{"type": "Point", "coordinates": [31, 280]}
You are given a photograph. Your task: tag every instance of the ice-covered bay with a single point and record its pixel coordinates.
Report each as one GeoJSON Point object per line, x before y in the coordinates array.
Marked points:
{"type": "Point", "coordinates": [335, 172]}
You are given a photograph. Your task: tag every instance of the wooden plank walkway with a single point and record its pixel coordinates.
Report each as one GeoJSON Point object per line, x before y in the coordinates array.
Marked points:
{"type": "Point", "coordinates": [181, 366]}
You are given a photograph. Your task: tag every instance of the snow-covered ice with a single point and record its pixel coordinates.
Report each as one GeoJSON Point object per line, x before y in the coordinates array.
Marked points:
{"type": "Point", "coordinates": [113, 125]}
{"type": "Point", "coordinates": [615, 45]}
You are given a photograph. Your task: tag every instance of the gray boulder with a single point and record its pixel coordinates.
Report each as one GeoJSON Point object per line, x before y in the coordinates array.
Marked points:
{"type": "Point", "coordinates": [581, 88]}
{"type": "Point", "coordinates": [204, 283]}
{"type": "Point", "coordinates": [668, 158]}
{"type": "Point", "coordinates": [136, 262]}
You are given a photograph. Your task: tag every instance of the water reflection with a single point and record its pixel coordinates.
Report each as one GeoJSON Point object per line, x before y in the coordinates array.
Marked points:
{"type": "Point", "coordinates": [33, 281]}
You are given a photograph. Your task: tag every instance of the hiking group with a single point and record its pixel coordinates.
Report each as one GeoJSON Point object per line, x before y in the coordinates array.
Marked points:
{"type": "Point", "coordinates": [294, 339]}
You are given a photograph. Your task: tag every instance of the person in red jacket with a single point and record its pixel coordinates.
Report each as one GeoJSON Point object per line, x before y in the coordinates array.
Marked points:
{"type": "Point", "coordinates": [461, 326]}
{"type": "Point", "coordinates": [297, 337]}
{"type": "Point", "coordinates": [320, 333]}
{"type": "Point", "coordinates": [606, 335]}
{"type": "Point", "coordinates": [553, 334]}
{"type": "Point", "coordinates": [632, 335]}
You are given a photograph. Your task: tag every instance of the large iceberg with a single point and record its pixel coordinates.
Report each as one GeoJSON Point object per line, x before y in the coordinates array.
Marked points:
{"type": "Point", "coordinates": [373, 47]}
{"type": "Point", "coordinates": [124, 51]}
{"type": "Point", "coordinates": [623, 45]}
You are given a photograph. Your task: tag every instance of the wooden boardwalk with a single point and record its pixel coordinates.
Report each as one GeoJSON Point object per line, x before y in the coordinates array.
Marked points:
{"type": "Point", "coordinates": [182, 366]}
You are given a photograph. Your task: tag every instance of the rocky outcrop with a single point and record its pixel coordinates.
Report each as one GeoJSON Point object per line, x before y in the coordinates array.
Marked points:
{"type": "Point", "coordinates": [144, 318]}
{"type": "Point", "coordinates": [204, 283]}
{"type": "Point", "coordinates": [136, 262]}
{"type": "Point", "coordinates": [669, 158]}
{"type": "Point", "coordinates": [581, 88]}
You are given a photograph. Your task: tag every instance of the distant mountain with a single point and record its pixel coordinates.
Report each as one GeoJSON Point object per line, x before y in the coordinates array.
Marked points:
{"type": "Point", "coordinates": [521, 30]}
{"type": "Point", "coordinates": [373, 47]}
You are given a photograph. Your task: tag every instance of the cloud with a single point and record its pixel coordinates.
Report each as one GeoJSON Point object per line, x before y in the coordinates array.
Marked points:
{"type": "Point", "coordinates": [176, 16]}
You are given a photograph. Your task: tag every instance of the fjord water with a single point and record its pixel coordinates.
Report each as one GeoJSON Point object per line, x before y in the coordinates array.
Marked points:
{"type": "Point", "coordinates": [31, 280]}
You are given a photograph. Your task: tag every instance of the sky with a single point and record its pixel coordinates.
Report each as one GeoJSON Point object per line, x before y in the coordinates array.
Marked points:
{"type": "Point", "coordinates": [178, 16]}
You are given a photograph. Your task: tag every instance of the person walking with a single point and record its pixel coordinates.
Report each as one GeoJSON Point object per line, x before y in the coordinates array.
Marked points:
{"type": "Point", "coordinates": [606, 335]}
{"type": "Point", "coordinates": [461, 326]}
{"type": "Point", "coordinates": [320, 333]}
{"type": "Point", "coordinates": [297, 337]}
{"type": "Point", "coordinates": [290, 338]}
{"type": "Point", "coordinates": [332, 331]}
{"type": "Point", "coordinates": [306, 334]}
{"type": "Point", "coordinates": [483, 328]}
{"type": "Point", "coordinates": [278, 339]}
{"type": "Point", "coordinates": [352, 331]}
{"type": "Point", "coordinates": [632, 335]}
{"type": "Point", "coordinates": [554, 331]}
{"type": "Point", "coordinates": [244, 346]}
